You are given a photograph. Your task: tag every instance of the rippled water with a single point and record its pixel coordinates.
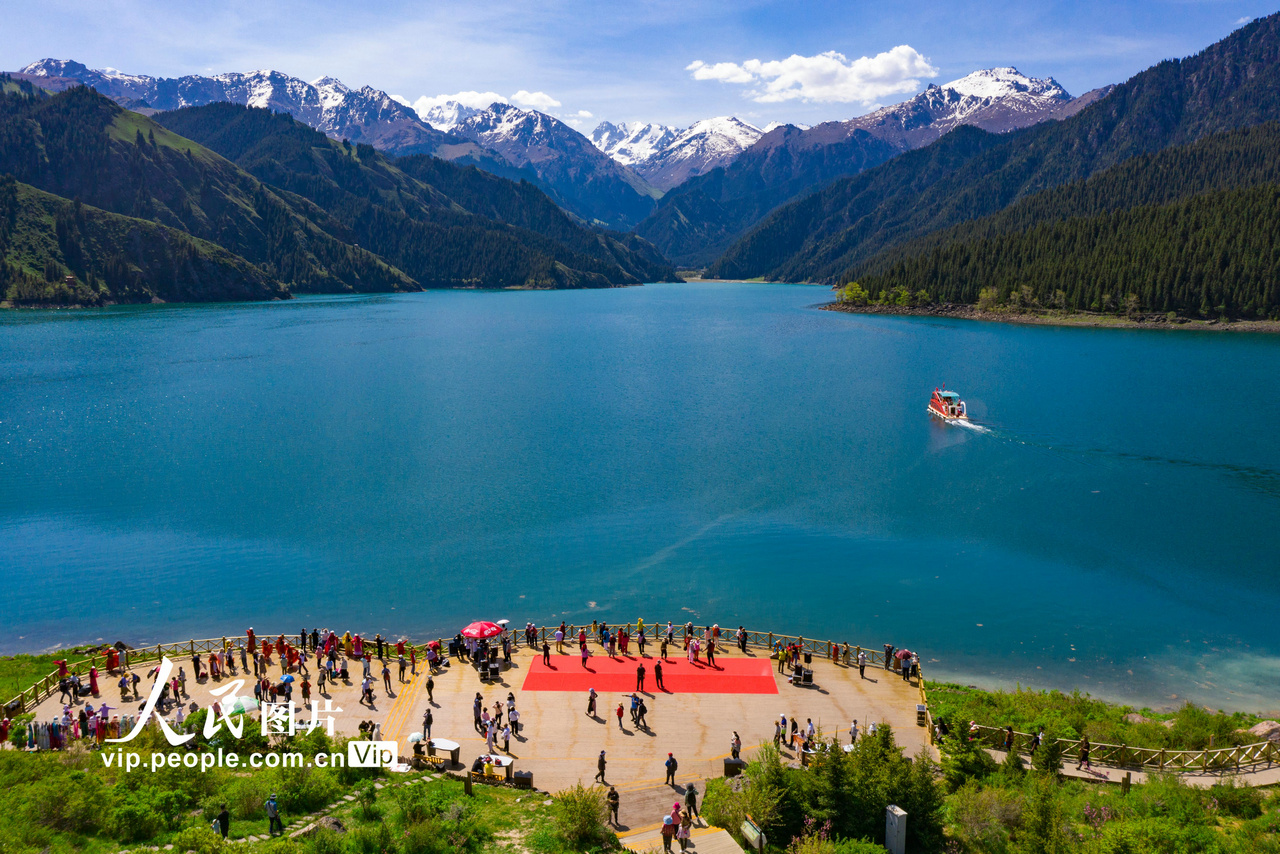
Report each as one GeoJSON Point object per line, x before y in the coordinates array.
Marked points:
{"type": "Point", "coordinates": [723, 451]}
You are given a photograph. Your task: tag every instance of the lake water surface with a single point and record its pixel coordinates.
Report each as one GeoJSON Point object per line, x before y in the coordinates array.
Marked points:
{"type": "Point", "coordinates": [716, 452]}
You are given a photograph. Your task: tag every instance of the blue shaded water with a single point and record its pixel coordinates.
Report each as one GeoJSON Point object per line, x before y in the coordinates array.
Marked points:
{"type": "Point", "coordinates": [721, 451]}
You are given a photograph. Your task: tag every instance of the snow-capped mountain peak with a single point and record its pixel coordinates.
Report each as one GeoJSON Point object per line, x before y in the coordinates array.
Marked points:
{"type": "Point", "coordinates": [1004, 82]}
{"type": "Point", "coordinates": [632, 142]}
{"type": "Point", "coordinates": [667, 156]}
{"type": "Point", "coordinates": [449, 115]}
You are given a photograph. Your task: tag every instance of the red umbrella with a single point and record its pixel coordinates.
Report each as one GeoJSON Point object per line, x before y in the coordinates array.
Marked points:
{"type": "Point", "coordinates": [482, 629]}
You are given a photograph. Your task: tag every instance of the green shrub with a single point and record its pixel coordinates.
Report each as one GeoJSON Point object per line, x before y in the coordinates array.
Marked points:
{"type": "Point", "coordinates": [245, 797]}
{"type": "Point", "coordinates": [1047, 758]}
{"type": "Point", "coordinates": [367, 799]}
{"type": "Point", "coordinates": [581, 816]}
{"type": "Point", "coordinates": [324, 841]}
{"type": "Point", "coordinates": [202, 840]}
{"type": "Point", "coordinates": [371, 839]}
{"type": "Point", "coordinates": [1156, 836]}
{"type": "Point", "coordinates": [416, 804]}
{"type": "Point", "coordinates": [1167, 796]}
{"type": "Point", "coordinates": [133, 821]}
{"type": "Point", "coordinates": [965, 761]}
{"type": "Point", "coordinates": [304, 790]}
{"type": "Point", "coordinates": [1235, 799]}
{"type": "Point", "coordinates": [727, 803]}
{"type": "Point", "coordinates": [1044, 828]}
{"type": "Point", "coordinates": [984, 818]}
{"type": "Point", "coordinates": [66, 802]}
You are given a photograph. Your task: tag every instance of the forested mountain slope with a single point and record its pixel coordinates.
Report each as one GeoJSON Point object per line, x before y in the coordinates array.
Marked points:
{"type": "Point", "coordinates": [1234, 83]}
{"type": "Point", "coordinates": [1189, 229]}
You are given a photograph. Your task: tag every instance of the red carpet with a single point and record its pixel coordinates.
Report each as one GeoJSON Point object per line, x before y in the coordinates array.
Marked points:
{"type": "Point", "coordinates": [606, 675]}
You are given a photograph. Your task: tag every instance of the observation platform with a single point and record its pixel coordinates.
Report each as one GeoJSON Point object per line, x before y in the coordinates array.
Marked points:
{"type": "Point", "coordinates": [694, 718]}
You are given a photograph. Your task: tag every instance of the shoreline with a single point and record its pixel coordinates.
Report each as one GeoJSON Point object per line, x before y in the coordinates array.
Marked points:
{"type": "Point", "coordinates": [1077, 319]}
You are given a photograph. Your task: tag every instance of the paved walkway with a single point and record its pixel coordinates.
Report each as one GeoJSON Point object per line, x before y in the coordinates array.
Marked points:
{"type": "Point", "coordinates": [704, 840]}
{"type": "Point", "coordinates": [559, 743]}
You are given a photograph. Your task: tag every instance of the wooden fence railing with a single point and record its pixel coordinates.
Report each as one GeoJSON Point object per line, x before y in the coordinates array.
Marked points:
{"type": "Point", "coordinates": [1220, 759]}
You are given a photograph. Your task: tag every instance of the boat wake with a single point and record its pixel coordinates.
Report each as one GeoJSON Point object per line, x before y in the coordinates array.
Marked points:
{"type": "Point", "coordinates": [969, 425]}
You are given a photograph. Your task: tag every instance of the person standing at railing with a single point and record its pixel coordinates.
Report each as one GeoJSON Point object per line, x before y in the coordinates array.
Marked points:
{"type": "Point", "coordinates": [742, 640]}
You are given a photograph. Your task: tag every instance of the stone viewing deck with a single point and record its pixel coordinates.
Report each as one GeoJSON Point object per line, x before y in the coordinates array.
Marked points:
{"type": "Point", "coordinates": [559, 743]}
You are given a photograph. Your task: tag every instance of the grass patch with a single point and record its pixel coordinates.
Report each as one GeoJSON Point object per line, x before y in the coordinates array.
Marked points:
{"type": "Point", "coordinates": [1074, 715]}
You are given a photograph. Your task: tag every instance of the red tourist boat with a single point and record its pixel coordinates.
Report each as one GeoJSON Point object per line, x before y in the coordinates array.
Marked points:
{"type": "Point", "coordinates": [947, 405]}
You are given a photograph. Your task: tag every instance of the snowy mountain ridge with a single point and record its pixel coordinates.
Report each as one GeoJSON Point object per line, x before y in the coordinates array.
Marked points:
{"type": "Point", "coordinates": [445, 117]}
{"type": "Point", "coordinates": [327, 104]}
{"type": "Point", "coordinates": [666, 156]}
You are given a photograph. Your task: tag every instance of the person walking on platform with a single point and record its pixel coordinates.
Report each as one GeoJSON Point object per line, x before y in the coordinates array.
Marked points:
{"type": "Point", "coordinates": [612, 800]}
{"type": "Point", "coordinates": [862, 664]}
{"type": "Point", "coordinates": [600, 765]}
{"type": "Point", "coordinates": [657, 676]}
{"type": "Point", "coordinates": [640, 678]}
{"type": "Point", "coordinates": [671, 765]}
{"type": "Point", "coordinates": [691, 800]}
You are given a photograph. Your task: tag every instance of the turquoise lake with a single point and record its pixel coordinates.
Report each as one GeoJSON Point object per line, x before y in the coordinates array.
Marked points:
{"type": "Point", "coordinates": [716, 452]}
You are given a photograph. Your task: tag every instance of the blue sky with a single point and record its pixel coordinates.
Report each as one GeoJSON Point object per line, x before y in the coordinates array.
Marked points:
{"type": "Point", "coordinates": [628, 61]}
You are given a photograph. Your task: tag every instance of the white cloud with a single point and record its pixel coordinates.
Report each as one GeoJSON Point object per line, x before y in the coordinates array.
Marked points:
{"type": "Point", "coordinates": [584, 114]}
{"type": "Point", "coordinates": [828, 77]}
{"type": "Point", "coordinates": [536, 100]}
{"type": "Point", "coordinates": [476, 100]}
{"type": "Point", "coordinates": [1247, 19]}
{"type": "Point", "coordinates": [725, 72]}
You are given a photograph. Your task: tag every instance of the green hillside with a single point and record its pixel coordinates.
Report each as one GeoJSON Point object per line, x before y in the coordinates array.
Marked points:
{"type": "Point", "coordinates": [44, 239]}
{"type": "Point", "coordinates": [1234, 83]}
{"type": "Point", "coordinates": [444, 225]}
{"type": "Point", "coordinates": [79, 145]}
{"type": "Point", "coordinates": [297, 212]}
